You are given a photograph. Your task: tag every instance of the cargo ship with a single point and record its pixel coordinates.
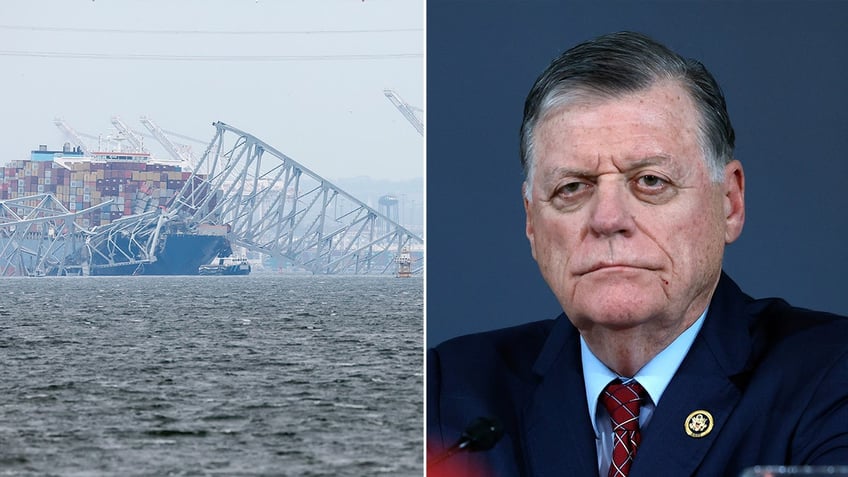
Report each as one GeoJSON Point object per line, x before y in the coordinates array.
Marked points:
{"type": "Point", "coordinates": [177, 254]}
{"type": "Point", "coordinates": [136, 184]}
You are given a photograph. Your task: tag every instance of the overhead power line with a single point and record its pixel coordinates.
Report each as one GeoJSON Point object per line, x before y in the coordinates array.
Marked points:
{"type": "Point", "coordinates": [207, 32]}
{"type": "Point", "coordinates": [239, 58]}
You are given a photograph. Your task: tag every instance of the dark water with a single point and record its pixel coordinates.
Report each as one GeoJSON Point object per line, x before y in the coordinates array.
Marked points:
{"type": "Point", "coordinates": [258, 375]}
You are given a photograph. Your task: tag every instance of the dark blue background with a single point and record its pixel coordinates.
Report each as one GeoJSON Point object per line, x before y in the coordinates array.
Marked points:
{"type": "Point", "coordinates": [782, 66]}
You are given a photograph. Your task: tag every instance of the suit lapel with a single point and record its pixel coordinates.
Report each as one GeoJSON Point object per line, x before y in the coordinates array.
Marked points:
{"type": "Point", "coordinates": [666, 447]}
{"type": "Point", "coordinates": [704, 382]}
{"type": "Point", "coordinates": [559, 435]}
{"type": "Point", "coordinates": [560, 439]}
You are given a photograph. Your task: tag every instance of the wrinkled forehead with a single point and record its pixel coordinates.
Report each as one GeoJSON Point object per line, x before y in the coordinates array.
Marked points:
{"type": "Point", "coordinates": [657, 125]}
{"type": "Point", "coordinates": [669, 98]}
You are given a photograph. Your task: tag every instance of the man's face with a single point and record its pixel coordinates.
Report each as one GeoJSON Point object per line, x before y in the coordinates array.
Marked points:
{"type": "Point", "coordinates": [625, 222]}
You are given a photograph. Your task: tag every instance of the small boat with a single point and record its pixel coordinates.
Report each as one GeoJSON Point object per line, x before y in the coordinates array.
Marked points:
{"type": "Point", "coordinates": [404, 264]}
{"type": "Point", "coordinates": [226, 266]}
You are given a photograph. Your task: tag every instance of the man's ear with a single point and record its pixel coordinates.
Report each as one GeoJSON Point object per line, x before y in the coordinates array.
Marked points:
{"type": "Point", "coordinates": [528, 212]}
{"type": "Point", "coordinates": [734, 200]}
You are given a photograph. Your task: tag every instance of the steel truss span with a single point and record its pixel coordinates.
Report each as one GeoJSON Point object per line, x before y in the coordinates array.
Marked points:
{"type": "Point", "coordinates": [274, 205]}
{"type": "Point", "coordinates": [38, 235]}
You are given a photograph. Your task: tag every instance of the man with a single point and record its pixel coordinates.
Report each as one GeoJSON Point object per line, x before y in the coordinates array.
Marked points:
{"type": "Point", "coordinates": [660, 365]}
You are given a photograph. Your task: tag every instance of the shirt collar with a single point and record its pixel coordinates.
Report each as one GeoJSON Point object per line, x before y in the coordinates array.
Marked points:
{"type": "Point", "coordinates": [654, 376]}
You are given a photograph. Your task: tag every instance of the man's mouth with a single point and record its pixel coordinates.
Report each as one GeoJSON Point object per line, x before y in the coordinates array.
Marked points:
{"type": "Point", "coordinates": [612, 266]}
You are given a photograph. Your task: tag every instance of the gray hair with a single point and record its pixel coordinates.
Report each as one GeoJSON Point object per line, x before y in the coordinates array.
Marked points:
{"type": "Point", "coordinates": [622, 63]}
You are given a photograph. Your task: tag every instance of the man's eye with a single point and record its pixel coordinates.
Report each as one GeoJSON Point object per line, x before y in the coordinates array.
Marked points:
{"type": "Point", "coordinates": [572, 189]}
{"type": "Point", "coordinates": [653, 189]}
{"type": "Point", "coordinates": [651, 181]}
{"type": "Point", "coordinates": [568, 196]}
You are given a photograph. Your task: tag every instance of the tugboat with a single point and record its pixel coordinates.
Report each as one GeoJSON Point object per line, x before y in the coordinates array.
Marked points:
{"type": "Point", "coordinates": [404, 264]}
{"type": "Point", "coordinates": [226, 266]}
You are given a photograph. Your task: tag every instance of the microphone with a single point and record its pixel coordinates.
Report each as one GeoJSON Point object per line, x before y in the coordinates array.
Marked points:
{"type": "Point", "coordinates": [481, 435]}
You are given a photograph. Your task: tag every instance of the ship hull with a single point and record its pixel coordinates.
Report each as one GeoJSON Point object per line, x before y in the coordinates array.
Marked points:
{"type": "Point", "coordinates": [181, 254]}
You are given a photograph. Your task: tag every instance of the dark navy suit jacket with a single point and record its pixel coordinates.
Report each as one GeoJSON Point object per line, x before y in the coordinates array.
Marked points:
{"type": "Point", "coordinates": [774, 378]}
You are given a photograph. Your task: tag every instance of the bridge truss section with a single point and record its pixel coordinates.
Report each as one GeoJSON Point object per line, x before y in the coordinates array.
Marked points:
{"type": "Point", "coordinates": [38, 234]}
{"type": "Point", "coordinates": [273, 205]}
{"type": "Point", "coordinates": [131, 240]}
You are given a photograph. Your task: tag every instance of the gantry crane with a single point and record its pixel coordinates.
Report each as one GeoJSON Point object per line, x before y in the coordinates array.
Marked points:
{"type": "Point", "coordinates": [180, 153]}
{"type": "Point", "coordinates": [71, 134]}
{"type": "Point", "coordinates": [135, 140]}
{"type": "Point", "coordinates": [407, 110]}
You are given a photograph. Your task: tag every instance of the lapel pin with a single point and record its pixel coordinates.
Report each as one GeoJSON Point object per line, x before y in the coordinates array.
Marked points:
{"type": "Point", "coordinates": [698, 424]}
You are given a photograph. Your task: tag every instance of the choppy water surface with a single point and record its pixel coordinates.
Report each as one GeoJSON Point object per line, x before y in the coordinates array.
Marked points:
{"type": "Point", "coordinates": [258, 375]}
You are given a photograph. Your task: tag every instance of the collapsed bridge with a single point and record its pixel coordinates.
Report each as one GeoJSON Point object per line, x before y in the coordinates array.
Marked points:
{"type": "Point", "coordinates": [241, 193]}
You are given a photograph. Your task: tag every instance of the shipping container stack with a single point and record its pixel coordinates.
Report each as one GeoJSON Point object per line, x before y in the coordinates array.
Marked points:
{"type": "Point", "coordinates": [134, 187]}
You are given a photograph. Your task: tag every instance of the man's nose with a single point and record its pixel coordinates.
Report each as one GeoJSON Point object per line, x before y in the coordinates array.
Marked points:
{"type": "Point", "coordinates": [610, 212]}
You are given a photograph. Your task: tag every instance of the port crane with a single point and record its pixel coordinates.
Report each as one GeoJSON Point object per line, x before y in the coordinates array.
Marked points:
{"type": "Point", "coordinates": [408, 111]}
{"type": "Point", "coordinates": [126, 133]}
{"type": "Point", "coordinates": [71, 134]}
{"type": "Point", "coordinates": [181, 154]}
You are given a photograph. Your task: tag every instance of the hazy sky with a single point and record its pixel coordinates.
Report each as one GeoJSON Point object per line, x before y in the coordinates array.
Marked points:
{"type": "Point", "coordinates": [305, 76]}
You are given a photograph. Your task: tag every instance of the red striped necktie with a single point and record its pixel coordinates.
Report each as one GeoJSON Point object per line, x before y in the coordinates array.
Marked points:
{"type": "Point", "coordinates": [622, 402]}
